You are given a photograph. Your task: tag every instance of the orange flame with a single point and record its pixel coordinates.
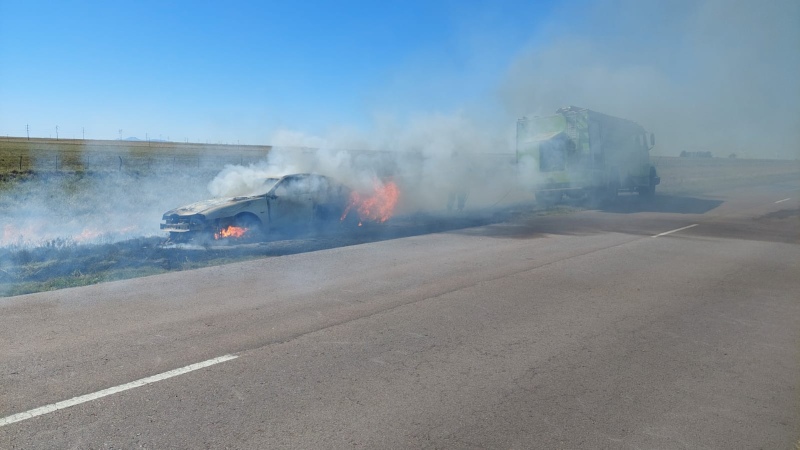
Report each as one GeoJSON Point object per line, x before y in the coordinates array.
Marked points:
{"type": "Point", "coordinates": [231, 231]}
{"type": "Point", "coordinates": [378, 206]}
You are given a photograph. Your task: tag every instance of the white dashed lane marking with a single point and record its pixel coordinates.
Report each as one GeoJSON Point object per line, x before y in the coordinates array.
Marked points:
{"type": "Point", "coordinates": [781, 201]}
{"type": "Point", "coordinates": [106, 392]}
{"type": "Point", "coordinates": [675, 231]}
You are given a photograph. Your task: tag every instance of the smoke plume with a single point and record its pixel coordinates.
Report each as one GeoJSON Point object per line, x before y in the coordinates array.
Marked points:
{"type": "Point", "coordinates": [711, 75]}
{"type": "Point", "coordinates": [91, 208]}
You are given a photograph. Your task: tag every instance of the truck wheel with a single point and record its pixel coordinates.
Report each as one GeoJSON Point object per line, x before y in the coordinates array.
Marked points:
{"type": "Point", "coordinates": [650, 189]}
{"type": "Point", "coordinates": [603, 196]}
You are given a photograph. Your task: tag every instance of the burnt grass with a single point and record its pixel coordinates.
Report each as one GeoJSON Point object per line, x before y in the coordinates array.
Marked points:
{"type": "Point", "coordinates": [61, 264]}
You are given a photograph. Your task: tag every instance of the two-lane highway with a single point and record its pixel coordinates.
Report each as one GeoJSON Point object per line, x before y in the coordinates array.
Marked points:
{"type": "Point", "coordinates": [670, 325]}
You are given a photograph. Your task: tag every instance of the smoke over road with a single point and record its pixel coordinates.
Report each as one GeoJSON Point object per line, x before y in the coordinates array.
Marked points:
{"type": "Point", "coordinates": [429, 157]}
{"type": "Point", "coordinates": [48, 208]}
{"type": "Point", "coordinates": [710, 75]}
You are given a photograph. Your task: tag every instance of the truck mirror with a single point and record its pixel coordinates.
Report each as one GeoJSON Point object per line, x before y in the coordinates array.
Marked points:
{"type": "Point", "coordinates": [652, 139]}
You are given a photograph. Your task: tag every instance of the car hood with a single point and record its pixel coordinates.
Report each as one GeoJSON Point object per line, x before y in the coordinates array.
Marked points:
{"type": "Point", "coordinates": [213, 205]}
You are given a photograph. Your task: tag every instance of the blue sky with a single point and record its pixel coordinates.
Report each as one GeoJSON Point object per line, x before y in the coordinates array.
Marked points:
{"type": "Point", "coordinates": [238, 71]}
{"type": "Point", "coordinates": [716, 75]}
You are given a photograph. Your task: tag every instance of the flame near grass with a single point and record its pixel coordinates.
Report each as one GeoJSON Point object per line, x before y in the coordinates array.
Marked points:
{"type": "Point", "coordinates": [377, 206]}
{"type": "Point", "coordinates": [230, 232]}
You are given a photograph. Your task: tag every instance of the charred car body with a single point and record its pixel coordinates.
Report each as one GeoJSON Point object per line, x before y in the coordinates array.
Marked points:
{"type": "Point", "coordinates": [293, 202]}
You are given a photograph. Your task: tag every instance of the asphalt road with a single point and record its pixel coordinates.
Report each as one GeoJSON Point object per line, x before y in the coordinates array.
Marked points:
{"type": "Point", "coordinates": [596, 329]}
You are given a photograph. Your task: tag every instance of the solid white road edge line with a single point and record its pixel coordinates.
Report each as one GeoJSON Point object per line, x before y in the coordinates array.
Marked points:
{"type": "Point", "coordinates": [105, 392]}
{"type": "Point", "coordinates": [675, 231]}
{"type": "Point", "coordinates": [781, 201]}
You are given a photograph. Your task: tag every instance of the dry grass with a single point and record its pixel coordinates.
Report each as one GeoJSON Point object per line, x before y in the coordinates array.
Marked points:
{"type": "Point", "coordinates": [22, 155]}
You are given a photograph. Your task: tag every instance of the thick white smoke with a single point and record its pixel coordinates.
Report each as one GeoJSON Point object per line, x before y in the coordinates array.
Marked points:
{"type": "Point", "coordinates": [430, 158]}
{"type": "Point", "coordinates": [237, 180]}
{"type": "Point", "coordinates": [99, 208]}
{"type": "Point", "coordinates": [710, 75]}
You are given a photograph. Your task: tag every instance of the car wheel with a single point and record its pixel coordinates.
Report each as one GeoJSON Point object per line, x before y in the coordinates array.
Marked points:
{"type": "Point", "coordinates": [254, 228]}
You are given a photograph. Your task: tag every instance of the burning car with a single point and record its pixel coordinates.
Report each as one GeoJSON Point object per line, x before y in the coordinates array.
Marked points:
{"type": "Point", "coordinates": [292, 203]}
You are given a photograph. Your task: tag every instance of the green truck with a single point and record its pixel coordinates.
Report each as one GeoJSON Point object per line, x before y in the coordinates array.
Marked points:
{"type": "Point", "coordinates": [578, 152]}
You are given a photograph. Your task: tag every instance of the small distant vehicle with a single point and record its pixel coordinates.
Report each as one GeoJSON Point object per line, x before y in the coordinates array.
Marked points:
{"type": "Point", "coordinates": [293, 203]}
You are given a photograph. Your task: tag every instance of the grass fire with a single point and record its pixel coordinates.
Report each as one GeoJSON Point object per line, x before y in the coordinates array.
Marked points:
{"type": "Point", "coordinates": [60, 229]}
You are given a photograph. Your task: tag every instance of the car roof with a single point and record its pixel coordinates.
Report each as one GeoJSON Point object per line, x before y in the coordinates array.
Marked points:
{"type": "Point", "coordinates": [303, 175]}
{"type": "Point", "coordinates": [306, 175]}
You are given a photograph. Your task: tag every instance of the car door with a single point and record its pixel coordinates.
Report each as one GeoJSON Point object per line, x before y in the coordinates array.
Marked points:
{"type": "Point", "coordinates": [290, 203]}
